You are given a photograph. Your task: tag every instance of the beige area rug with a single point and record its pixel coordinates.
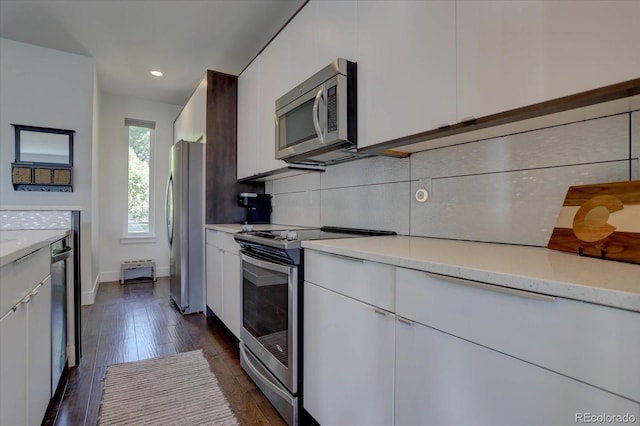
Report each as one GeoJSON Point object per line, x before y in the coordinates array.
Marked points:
{"type": "Point", "coordinates": [171, 390]}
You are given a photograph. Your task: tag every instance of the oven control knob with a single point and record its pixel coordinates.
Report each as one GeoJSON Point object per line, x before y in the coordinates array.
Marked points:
{"type": "Point", "coordinates": [283, 235]}
{"type": "Point", "coordinates": [292, 235]}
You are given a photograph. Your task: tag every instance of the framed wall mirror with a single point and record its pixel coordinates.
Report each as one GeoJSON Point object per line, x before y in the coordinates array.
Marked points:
{"type": "Point", "coordinates": [43, 145]}
{"type": "Point", "coordinates": [44, 159]}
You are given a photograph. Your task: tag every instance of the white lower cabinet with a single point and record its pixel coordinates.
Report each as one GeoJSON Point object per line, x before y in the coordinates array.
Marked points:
{"type": "Point", "coordinates": [39, 345]}
{"type": "Point", "coordinates": [395, 346]}
{"type": "Point", "coordinates": [349, 354]}
{"type": "Point", "coordinates": [223, 278]}
{"type": "Point", "coordinates": [444, 380]}
{"type": "Point", "coordinates": [13, 368]}
{"type": "Point", "coordinates": [231, 283]}
{"type": "Point", "coordinates": [214, 278]}
{"type": "Point", "coordinates": [25, 358]}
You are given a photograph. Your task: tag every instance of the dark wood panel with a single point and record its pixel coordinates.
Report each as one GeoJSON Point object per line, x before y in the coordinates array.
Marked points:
{"type": "Point", "coordinates": [222, 187]}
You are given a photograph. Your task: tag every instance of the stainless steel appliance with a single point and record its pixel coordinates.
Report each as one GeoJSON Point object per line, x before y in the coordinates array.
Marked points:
{"type": "Point", "coordinates": [185, 226]}
{"type": "Point", "coordinates": [316, 122]}
{"type": "Point", "coordinates": [61, 253]}
{"type": "Point", "coordinates": [258, 207]}
{"type": "Point", "coordinates": [271, 303]}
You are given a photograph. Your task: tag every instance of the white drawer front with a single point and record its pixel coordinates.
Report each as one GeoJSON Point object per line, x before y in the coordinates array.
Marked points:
{"type": "Point", "coordinates": [596, 344]}
{"type": "Point", "coordinates": [19, 277]}
{"type": "Point", "coordinates": [210, 237]}
{"type": "Point", "coordinates": [369, 282]}
{"type": "Point", "coordinates": [227, 243]}
{"type": "Point", "coordinates": [223, 240]}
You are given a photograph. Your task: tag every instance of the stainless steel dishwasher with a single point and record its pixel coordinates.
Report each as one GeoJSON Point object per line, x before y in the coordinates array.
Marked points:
{"type": "Point", "coordinates": [61, 258]}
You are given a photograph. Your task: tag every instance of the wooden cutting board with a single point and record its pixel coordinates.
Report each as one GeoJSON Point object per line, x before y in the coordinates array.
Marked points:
{"type": "Point", "coordinates": [601, 220]}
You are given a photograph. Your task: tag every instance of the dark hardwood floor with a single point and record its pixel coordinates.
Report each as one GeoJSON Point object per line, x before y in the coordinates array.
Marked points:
{"type": "Point", "coordinates": [131, 322]}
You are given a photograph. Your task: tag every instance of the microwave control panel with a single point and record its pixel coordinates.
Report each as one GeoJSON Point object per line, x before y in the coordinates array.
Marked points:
{"type": "Point", "coordinates": [332, 110]}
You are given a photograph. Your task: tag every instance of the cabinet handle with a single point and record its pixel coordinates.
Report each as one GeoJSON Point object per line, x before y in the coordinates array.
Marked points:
{"type": "Point", "coordinates": [380, 312]}
{"type": "Point", "coordinates": [11, 310]}
{"type": "Point", "coordinates": [23, 258]}
{"type": "Point", "coordinates": [36, 290]}
{"type": "Point", "coordinates": [340, 256]}
{"type": "Point", "coordinates": [493, 287]}
{"type": "Point", "coordinates": [405, 321]}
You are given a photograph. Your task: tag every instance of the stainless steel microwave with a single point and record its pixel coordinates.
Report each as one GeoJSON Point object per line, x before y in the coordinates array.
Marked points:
{"type": "Point", "coordinates": [316, 122]}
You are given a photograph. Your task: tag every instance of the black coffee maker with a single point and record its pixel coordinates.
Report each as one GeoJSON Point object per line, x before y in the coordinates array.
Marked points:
{"type": "Point", "coordinates": [258, 207]}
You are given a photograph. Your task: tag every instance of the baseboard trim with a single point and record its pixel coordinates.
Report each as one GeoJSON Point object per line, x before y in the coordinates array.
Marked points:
{"type": "Point", "coordinates": [88, 297]}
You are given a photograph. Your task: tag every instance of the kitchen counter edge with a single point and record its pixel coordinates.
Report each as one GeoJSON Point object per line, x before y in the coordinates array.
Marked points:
{"type": "Point", "coordinates": [535, 269]}
{"type": "Point", "coordinates": [25, 242]}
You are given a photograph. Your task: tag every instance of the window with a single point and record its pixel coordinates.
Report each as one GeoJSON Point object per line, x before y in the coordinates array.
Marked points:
{"type": "Point", "coordinates": [140, 136]}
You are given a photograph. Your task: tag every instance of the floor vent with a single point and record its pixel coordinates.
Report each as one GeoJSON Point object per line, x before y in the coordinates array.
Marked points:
{"type": "Point", "coordinates": [138, 271]}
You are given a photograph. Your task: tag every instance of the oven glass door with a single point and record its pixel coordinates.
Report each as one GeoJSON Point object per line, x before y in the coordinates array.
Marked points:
{"type": "Point", "coordinates": [269, 315]}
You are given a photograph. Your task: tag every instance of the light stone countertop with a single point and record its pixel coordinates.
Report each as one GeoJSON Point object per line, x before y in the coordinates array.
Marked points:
{"type": "Point", "coordinates": [535, 269]}
{"type": "Point", "coordinates": [16, 244]}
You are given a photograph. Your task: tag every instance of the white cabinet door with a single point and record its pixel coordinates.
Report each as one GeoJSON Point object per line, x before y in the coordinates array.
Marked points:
{"type": "Point", "coordinates": [214, 279]}
{"type": "Point", "coordinates": [348, 360]}
{"type": "Point", "coordinates": [248, 107]}
{"type": "Point", "coordinates": [39, 347]}
{"type": "Point", "coordinates": [406, 68]}
{"type": "Point", "coordinates": [321, 32]}
{"type": "Point", "coordinates": [442, 380]}
{"type": "Point", "coordinates": [513, 54]}
{"type": "Point", "coordinates": [13, 367]}
{"type": "Point", "coordinates": [224, 279]}
{"type": "Point", "coordinates": [231, 292]}
{"type": "Point", "coordinates": [191, 124]}
{"type": "Point", "coordinates": [273, 84]}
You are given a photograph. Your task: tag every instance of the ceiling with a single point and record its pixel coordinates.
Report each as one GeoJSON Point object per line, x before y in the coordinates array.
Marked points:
{"type": "Point", "coordinates": [129, 38]}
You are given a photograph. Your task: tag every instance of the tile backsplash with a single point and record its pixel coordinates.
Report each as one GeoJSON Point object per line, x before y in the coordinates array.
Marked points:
{"type": "Point", "coordinates": [14, 220]}
{"type": "Point", "coordinates": [507, 189]}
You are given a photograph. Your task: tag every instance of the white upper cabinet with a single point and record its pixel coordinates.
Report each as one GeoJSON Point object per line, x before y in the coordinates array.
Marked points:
{"type": "Point", "coordinates": [321, 32]}
{"type": "Point", "coordinates": [406, 53]}
{"type": "Point", "coordinates": [191, 124]}
{"type": "Point", "coordinates": [258, 88]}
{"type": "Point", "coordinates": [513, 54]}
{"type": "Point", "coordinates": [273, 84]}
{"type": "Point", "coordinates": [248, 114]}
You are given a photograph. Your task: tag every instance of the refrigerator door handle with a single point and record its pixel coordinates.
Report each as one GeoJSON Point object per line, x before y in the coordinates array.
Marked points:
{"type": "Point", "coordinates": [169, 206]}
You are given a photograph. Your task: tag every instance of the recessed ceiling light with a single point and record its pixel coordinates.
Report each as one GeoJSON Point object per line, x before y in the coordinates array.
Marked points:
{"type": "Point", "coordinates": [156, 73]}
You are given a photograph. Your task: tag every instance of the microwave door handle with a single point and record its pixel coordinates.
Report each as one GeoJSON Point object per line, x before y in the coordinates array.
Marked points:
{"type": "Point", "coordinates": [316, 116]}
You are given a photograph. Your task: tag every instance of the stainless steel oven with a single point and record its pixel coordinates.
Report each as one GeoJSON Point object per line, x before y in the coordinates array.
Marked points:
{"type": "Point", "coordinates": [271, 303]}
{"type": "Point", "coordinates": [269, 329]}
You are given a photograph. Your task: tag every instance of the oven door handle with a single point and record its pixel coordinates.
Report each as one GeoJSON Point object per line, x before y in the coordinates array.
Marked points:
{"type": "Point", "coordinates": [267, 265]}
{"type": "Point", "coordinates": [273, 386]}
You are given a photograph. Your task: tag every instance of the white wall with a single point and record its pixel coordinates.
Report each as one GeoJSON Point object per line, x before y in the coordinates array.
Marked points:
{"type": "Point", "coordinates": [112, 202]}
{"type": "Point", "coordinates": [506, 189]}
{"type": "Point", "coordinates": [48, 88]}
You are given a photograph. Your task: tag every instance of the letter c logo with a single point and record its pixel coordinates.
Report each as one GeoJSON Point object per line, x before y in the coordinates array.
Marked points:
{"type": "Point", "coordinates": [590, 222]}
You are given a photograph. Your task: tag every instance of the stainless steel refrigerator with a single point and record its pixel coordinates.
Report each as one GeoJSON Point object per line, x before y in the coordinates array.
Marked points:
{"type": "Point", "coordinates": [185, 226]}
